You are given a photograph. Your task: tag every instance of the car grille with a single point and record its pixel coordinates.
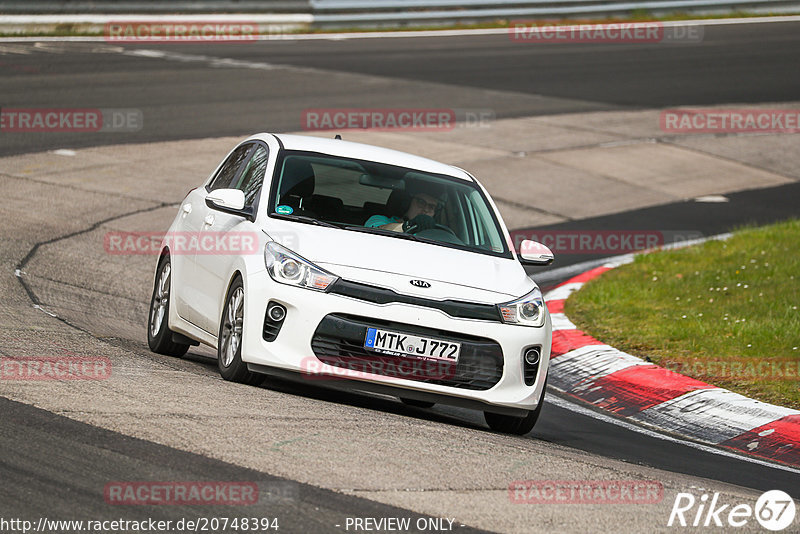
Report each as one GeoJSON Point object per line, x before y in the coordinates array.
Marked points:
{"type": "Point", "coordinates": [380, 295]}
{"type": "Point", "coordinates": [339, 341]}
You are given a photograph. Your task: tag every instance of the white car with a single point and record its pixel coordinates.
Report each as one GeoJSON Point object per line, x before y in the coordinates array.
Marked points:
{"type": "Point", "coordinates": [359, 267]}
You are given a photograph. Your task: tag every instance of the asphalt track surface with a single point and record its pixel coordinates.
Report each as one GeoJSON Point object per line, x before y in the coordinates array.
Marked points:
{"type": "Point", "coordinates": [189, 99]}
{"type": "Point", "coordinates": [746, 208]}
{"type": "Point", "coordinates": [194, 97]}
{"type": "Point", "coordinates": [88, 457]}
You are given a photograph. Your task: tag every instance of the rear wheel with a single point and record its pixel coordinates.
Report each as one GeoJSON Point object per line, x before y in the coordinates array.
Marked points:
{"type": "Point", "coordinates": [509, 424]}
{"type": "Point", "coordinates": [229, 341]}
{"type": "Point", "coordinates": [159, 336]}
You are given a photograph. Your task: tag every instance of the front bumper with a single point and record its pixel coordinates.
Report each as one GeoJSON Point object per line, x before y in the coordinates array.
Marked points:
{"type": "Point", "coordinates": [321, 339]}
{"type": "Point", "coordinates": [339, 341]}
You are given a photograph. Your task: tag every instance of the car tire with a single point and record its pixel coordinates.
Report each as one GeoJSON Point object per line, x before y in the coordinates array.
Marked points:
{"type": "Point", "coordinates": [159, 336]}
{"type": "Point", "coordinates": [229, 340]}
{"type": "Point", "coordinates": [509, 424]}
{"type": "Point", "coordinates": [417, 403]}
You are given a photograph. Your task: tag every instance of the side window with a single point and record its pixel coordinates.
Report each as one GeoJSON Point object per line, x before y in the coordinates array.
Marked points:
{"type": "Point", "coordinates": [252, 178]}
{"type": "Point", "coordinates": [483, 221]}
{"type": "Point", "coordinates": [227, 172]}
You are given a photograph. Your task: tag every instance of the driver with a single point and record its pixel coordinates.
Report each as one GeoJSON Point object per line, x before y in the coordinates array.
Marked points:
{"type": "Point", "coordinates": [417, 218]}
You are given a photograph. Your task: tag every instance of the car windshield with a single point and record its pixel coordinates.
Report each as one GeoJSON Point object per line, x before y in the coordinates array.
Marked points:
{"type": "Point", "coordinates": [385, 199]}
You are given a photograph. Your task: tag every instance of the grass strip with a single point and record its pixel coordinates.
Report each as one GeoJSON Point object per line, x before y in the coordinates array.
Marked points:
{"type": "Point", "coordinates": [725, 312]}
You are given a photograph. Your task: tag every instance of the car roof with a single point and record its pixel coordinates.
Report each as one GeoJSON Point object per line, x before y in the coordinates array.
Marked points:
{"type": "Point", "coordinates": [348, 149]}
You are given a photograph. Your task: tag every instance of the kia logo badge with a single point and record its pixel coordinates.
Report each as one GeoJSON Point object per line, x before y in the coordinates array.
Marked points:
{"type": "Point", "coordinates": [420, 283]}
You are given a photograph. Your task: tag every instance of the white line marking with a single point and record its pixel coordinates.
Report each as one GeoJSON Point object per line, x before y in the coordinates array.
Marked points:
{"type": "Point", "coordinates": [257, 18]}
{"type": "Point", "coordinates": [567, 405]}
{"type": "Point", "coordinates": [37, 307]}
{"type": "Point", "coordinates": [563, 292]}
{"type": "Point", "coordinates": [52, 48]}
{"type": "Point", "coordinates": [712, 198]}
{"type": "Point", "coordinates": [102, 19]}
{"type": "Point", "coordinates": [10, 49]}
{"type": "Point", "coordinates": [144, 53]}
{"type": "Point", "coordinates": [209, 60]}
{"type": "Point", "coordinates": [64, 152]}
{"type": "Point", "coordinates": [560, 322]}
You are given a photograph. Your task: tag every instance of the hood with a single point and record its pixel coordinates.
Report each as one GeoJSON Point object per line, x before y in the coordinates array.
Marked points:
{"type": "Point", "coordinates": [393, 263]}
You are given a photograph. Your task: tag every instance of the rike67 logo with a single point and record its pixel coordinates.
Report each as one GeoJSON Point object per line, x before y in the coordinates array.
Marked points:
{"type": "Point", "coordinates": [774, 510]}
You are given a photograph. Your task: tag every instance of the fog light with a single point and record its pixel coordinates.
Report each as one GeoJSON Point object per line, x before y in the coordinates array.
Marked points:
{"type": "Point", "coordinates": [273, 320]}
{"type": "Point", "coordinates": [530, 364]}
{"type": "Point", "coordinates": [276, 312]}
{"type": "Point", "coordinates": [532, 356]}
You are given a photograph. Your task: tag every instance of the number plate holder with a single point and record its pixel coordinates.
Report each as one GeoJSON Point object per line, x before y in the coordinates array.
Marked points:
{"type": "Point", "coordinates": [410, 346]}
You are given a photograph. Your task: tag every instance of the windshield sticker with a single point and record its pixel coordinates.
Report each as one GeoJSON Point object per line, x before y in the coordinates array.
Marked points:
{"type": "Point", "coordinates": [284, 210]}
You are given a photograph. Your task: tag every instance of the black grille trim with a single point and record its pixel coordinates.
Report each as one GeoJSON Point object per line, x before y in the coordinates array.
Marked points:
{"type": "Point", "coordinates": [339, 341]}
{"type": "Point", "coordinates": [271, 329]}
{"type": "Point", "coordinates": [380, 295]}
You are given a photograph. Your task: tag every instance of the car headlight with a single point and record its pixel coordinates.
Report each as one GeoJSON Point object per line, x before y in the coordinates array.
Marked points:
{"type": "Point", "coordinates": [286, 267]}
{"type": "Point", "coordinates": [528, 310]}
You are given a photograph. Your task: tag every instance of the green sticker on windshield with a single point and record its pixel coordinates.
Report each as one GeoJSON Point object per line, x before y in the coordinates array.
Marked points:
{"type": "Point", "coordinates": [284, 210]}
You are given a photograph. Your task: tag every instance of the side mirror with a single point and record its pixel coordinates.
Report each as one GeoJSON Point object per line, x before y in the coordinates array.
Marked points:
{"type": "Point", "coordinates": [228, 201]}
{"type": "Point", "coordinates": [534, 253]}
{"type": "Point", "coordinates": [226, 198]}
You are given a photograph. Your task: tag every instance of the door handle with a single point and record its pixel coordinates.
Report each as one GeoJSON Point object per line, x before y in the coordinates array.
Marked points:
{"type": "Point", "coordinates": [209, 220]}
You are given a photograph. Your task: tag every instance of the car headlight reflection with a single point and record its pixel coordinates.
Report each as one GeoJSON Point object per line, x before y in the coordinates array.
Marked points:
{"type": "Point", "coordinates": [286, 267]}
{"type": "Point", "coordinates": [528, 310]}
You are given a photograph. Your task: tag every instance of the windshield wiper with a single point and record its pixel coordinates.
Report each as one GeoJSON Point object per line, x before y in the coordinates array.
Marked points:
{"type": "Point", "coordinates": [383, 231]}
{"type": "Point", "coordinates": [304, 219]}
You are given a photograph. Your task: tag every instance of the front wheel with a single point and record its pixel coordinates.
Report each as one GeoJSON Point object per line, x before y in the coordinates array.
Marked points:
{"type": "Point", "coordinates": [509, 424]}
{"type": "Point", "coordinates": [159, 336]}
{"type": "Point", "coordinates": [229, 341]}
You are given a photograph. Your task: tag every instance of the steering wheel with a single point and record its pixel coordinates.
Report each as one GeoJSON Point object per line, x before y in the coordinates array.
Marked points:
{"type": "Point", "coordinates": [446, 229]}
{"type": "Point", "coordinates": [440, 233]}
{"type": "Point", "coordinates": [416, 230]}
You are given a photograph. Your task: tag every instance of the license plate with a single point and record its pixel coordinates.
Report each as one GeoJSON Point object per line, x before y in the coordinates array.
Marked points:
{"type": "Point", "coordinates": [398, 344]}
